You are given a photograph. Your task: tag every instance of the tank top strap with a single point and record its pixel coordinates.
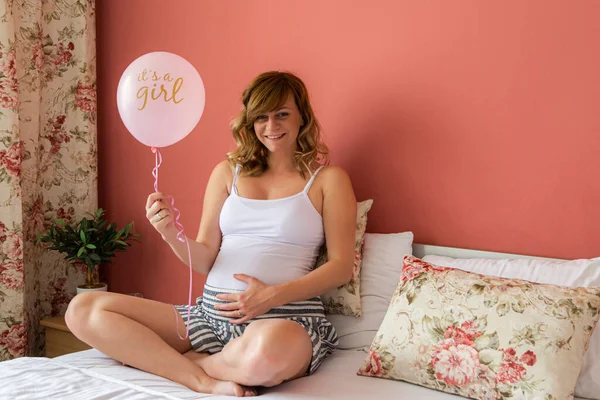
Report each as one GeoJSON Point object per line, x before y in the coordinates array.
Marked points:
{"type": "Point", "coordinates": [235, 177]}
{"type": "Point", "coordinates": [312, 179]}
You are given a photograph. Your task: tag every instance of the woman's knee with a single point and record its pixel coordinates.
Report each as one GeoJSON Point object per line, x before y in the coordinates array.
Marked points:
{"type": "Point", "coordinates": [80, 309]}
{"type": "Point", "coordinates": [276, 351]}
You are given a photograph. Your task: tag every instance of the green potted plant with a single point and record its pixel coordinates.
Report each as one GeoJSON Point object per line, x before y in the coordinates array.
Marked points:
{"type": "Point", "coordinates": [90, 242]}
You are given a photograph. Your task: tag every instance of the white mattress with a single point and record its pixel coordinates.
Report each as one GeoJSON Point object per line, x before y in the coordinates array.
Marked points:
{"type": "Point", "coordinates": [91, 375]}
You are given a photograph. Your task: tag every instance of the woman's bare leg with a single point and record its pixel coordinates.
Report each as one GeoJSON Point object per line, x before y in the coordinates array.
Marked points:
{"type": "Point", "coordinates": [269, 352]}
{"type": "Point", "coordinates": [141, 333]}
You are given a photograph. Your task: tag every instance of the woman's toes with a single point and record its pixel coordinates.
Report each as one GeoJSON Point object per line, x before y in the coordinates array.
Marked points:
{"type": "Point", "coordinates": [250, 391]}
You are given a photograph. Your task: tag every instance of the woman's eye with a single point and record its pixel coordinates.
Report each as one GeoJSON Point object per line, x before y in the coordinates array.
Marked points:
{"type": "Point", "coordinates": [261, 117]}
{"type": "Point", "coordinates": [282, 115]}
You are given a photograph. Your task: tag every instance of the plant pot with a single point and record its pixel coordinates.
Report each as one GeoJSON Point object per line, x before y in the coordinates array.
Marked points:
{"type": "Point", "coordinates": [102, 287]}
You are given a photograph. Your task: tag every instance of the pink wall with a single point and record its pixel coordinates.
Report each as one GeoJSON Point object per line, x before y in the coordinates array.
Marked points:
{"type": "Point", "coordinates": [474, 126]}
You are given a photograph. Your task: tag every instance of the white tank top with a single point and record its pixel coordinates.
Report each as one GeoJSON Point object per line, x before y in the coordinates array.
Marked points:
{"type": "Point", "coordinates": [275, 241]}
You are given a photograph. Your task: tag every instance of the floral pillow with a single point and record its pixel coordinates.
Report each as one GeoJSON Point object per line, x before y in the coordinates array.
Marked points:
{"type": "Point", "coordinates": [345, 300]}
{"type": "Point", "coordinates": [483, 337]}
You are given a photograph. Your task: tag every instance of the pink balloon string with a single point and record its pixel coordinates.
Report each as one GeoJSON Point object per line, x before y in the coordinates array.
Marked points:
{"type": "Point", "coordinates": [181, 237]}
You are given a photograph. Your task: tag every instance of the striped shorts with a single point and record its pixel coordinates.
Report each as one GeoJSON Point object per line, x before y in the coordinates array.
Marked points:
{"type": "Point", "coordinates": [209, 332]}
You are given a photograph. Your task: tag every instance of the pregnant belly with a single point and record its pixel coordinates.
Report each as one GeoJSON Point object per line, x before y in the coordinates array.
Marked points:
{"type": "Point", "coordinates": [271, 262]}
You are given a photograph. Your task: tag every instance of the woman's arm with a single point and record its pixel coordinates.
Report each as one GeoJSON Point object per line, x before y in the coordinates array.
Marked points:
{"type": "Point", "coordinates": [205, 248]}
{"type": "Point", "coordinates": [339, 220]}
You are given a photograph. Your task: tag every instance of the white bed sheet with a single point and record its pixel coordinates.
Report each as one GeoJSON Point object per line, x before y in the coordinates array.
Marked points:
{"type": "Point", "coordinates": [91, 375]}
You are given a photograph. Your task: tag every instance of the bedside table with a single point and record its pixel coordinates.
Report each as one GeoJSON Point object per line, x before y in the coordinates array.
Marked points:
{"type": "Point", "coordinates": [59, 340]}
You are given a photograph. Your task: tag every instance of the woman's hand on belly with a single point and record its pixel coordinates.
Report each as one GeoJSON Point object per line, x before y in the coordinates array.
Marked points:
{"type": "Point", "coordinates": [256, 300]}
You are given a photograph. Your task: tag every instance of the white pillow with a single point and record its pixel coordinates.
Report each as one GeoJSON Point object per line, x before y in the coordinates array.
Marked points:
{"type": "Point", "coordinates": [383, 255]}
{"type": "Point", "coordinates": [576, 273]}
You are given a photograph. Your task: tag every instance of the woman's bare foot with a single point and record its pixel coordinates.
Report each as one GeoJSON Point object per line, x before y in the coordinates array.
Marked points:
{"type": "Point", "coordinates": [233, 389]}
{"type": "Point", "coordinates": [228, 389]}
{"type": "Point", "coordinates": [216, 386]}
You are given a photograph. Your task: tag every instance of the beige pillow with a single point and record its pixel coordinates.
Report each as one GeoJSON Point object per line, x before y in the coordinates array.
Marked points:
{"type": "Point", "coordinates": [483, 337]}
{"type": "Point", "coordinates": [345, 300]}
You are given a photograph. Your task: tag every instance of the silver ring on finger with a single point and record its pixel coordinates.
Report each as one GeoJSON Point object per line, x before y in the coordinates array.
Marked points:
{"type": "Point", "coordinates": [158, 217]}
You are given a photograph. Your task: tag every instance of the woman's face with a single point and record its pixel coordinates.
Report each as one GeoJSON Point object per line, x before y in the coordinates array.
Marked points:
{"type": "Point", "coordinates": [278, 129]}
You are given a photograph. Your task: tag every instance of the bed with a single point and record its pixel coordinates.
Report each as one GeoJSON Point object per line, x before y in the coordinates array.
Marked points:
{"type": "Point", "coordinates": [91, 375]}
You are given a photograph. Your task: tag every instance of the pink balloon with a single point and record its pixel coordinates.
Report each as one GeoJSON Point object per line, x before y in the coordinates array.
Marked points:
{"type": "Point", "coordinates": [160, 98]}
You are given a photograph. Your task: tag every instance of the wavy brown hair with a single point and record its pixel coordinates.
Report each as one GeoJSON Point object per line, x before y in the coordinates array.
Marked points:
{"type": "Point", "coordinates": [266, 93]}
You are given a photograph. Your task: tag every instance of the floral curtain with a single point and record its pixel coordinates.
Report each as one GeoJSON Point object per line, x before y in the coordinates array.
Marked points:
{"type": "Point", "coordinates": [48, 152]}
